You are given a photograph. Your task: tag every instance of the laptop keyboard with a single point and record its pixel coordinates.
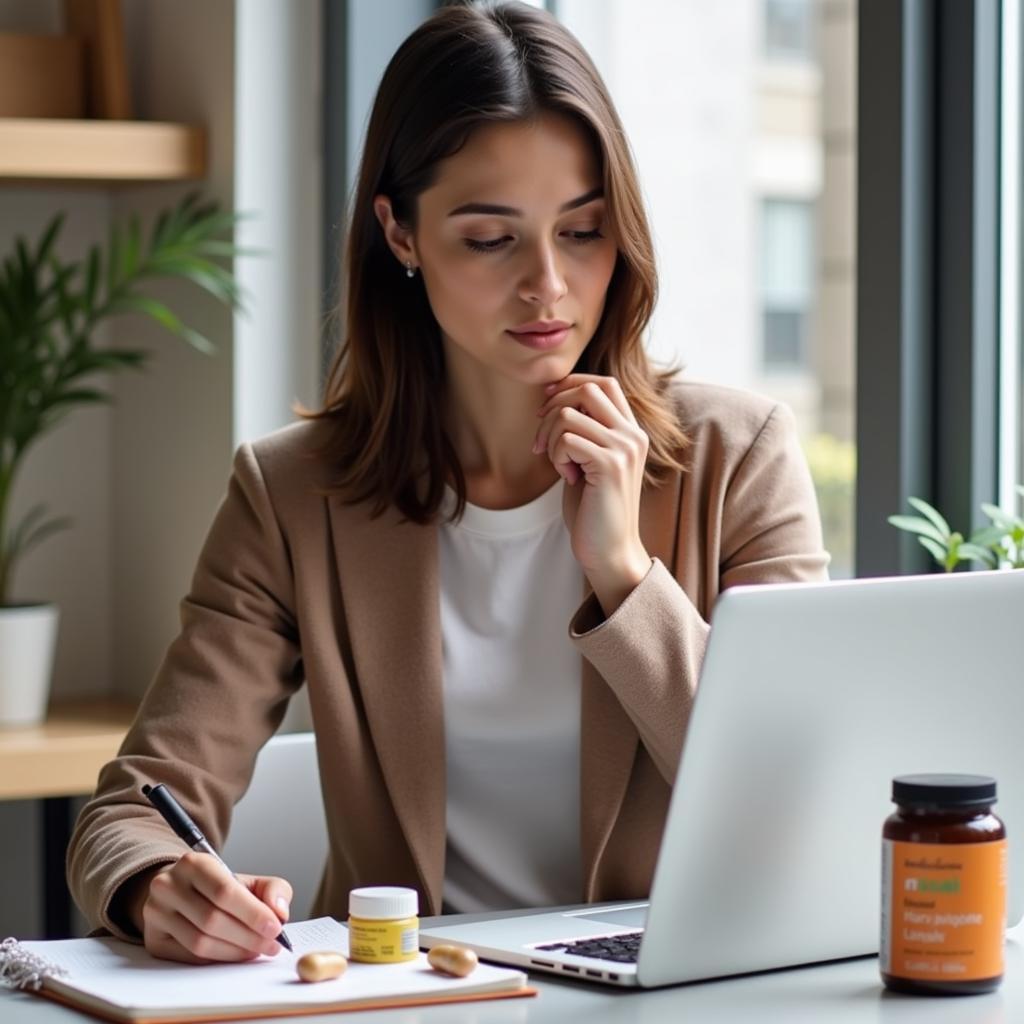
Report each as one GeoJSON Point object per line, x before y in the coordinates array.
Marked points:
{"type": "Point", "coordinates": [622, 948]}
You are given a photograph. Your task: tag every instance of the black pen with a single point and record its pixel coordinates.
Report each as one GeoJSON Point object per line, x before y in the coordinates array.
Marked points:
{"type": "Point", "coordinates": [176, 816]}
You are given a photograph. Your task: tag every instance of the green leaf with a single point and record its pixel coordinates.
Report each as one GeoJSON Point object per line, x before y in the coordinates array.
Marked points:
{"type": "Point", "coordinates": [92, 278]}
{"type": "Point", "coordinates": [77, 396]}
{"type": "Point", "coordinates": [937, 551]}
{"type": "Point", "coordinates": [953, 550]}
{"type": "Point", "coordinates": [931, 514]}
{"type": "Point", "coordinates": [148, 307]}
{"type": "Point", "coordinates": [913, 524]}
{"type": "Point", "coordinates": [219, 284]}
{"type": "Point", "coordinates": [132, 250]}
{"type": "Point", "coordinates": [228, 250]}
{"type": "Point", "coordinates": [975, 553]}
{"type": "Point", "coordinates": [163, 316]}
{"type": "Point", "coordinates": [29, 532]}
{"type": "Point", "coordinates": [986, 536]}
{"type": "Point", "coordinates": [995, 513]}
{"type": "Point", "coordinates": [108, 359]}
{"type": "Point", "coordinates": [49, 237]}
{"type": "Point", "coordinates": [113, 258]}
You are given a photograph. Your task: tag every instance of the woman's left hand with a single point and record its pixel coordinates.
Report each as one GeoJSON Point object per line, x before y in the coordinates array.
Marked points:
{"type": "Point", "coordinates": [594, 441]}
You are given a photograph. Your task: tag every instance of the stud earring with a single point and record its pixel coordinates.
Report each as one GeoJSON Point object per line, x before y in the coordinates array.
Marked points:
{"type": "Point", "coordinates": [409, 272]}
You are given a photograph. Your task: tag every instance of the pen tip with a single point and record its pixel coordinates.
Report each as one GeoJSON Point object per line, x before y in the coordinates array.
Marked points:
{"type": "Point", "coordinates": [284, 940]}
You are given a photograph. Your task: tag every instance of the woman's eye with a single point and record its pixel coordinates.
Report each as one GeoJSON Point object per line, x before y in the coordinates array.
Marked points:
{"type": "Point", "coordinates": [579, 237]}
{"type": "Point", "coordinates": [586, 236]}
{"type": "Point", "coordinates": [476, 246]}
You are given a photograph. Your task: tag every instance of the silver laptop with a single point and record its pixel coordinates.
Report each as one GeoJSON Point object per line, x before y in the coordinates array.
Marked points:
{"type": "Point", "coordinates": [812, 697]}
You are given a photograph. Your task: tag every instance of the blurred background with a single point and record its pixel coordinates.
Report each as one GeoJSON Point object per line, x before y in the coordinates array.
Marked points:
{"type": "Point", "coordinates": [834, 191]}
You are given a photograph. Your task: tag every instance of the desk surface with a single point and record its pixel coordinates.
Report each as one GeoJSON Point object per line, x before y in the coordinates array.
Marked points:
{"type": "Point", "coordinates": [848, 992]}
{"type": "Point", "coordinates": [63, 755]}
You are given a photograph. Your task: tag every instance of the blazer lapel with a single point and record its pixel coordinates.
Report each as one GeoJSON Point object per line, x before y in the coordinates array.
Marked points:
{"type": "Point", "coordinates": [389, 585]}
{"type": "Point", "coordinates": [608, 739]}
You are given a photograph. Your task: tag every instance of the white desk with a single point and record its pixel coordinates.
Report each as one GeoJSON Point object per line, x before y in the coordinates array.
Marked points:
{"type": "Point", "coordinates": [848, 992]}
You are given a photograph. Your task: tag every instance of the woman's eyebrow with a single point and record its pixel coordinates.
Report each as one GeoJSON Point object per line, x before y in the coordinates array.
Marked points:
{"type": "Point", "coordinates": [511, 211]}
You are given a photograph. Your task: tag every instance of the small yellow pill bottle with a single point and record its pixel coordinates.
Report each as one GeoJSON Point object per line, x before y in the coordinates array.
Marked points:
{"type": "Point", "coordinates": [383, 926]}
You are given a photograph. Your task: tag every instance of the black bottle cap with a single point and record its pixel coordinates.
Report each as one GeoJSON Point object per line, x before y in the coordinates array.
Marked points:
{"type": "Point", "coordinates": [944, 790]}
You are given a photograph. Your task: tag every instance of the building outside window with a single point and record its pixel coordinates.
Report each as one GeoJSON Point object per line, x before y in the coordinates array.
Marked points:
{"type": "Point", "coordinates": [742, 118]}
{"type": "Point", "coordinates": [788, 30]}
{"type": "Point", "coordinates": [787, 283]}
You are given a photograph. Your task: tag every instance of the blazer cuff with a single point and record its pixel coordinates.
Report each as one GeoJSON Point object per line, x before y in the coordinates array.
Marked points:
{"type": "Point", "coordinates": [590, 620]}
{"type": "Point", "coordinates": [147, 855]}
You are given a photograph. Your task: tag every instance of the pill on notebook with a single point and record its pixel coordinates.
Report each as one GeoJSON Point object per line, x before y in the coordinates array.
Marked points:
{"type": "Point", "coordinates": [321, 966]}
{"type": "Point", "coordinates": [455, 960]}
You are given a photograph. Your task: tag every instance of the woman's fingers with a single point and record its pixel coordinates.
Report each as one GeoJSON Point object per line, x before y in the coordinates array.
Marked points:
{"type": "Point", "coordinates": [579, 385]}
{"type": "Point", "coordinates": [198, 945]}
{"type": "Point", "coordinates": [574, 456]}
{"type": "Point", "coordinates": [212, 915]}
{"type": "Point", "coordinates": [233, 896]}
{"type": "Point", "coordinates": [572, 422]}
{"type": "Point", "coordinates": [592, 401]}
{"type": "Point", "coordinates": [618, 452]}
{"type": "Point", "coordinates": [213, 922]}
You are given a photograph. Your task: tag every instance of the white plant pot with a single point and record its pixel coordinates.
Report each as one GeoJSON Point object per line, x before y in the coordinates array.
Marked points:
{"type": "Point", "coordinates": [28, 639]}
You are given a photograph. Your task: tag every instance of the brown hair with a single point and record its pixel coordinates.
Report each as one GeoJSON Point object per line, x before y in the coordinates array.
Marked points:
{"type": "Point", "coordinates": [467, 66]}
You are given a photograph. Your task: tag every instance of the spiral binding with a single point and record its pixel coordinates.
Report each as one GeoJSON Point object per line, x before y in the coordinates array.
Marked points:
{"type": "Point", "coordinates": [21, 968]}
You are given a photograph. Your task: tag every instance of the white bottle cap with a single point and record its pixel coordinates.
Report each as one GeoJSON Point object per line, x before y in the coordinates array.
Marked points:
{"type": "Point", "coordinates": [383, 902]}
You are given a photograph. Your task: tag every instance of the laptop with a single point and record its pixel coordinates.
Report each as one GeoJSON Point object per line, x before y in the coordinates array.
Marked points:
{"type": "Point", "coordinates": [811, 699]}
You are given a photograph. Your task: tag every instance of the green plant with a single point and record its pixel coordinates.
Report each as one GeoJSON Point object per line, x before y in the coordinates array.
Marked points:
{"type": "Point", "coordinates": [49, 311]}
{"type": "Point", "coordinates": [1000, 545]}
{"type": "Point", "coordinates": [833, 465]}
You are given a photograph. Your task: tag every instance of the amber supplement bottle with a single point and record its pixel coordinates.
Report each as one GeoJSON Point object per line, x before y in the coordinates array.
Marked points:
{"type": "Point", "coordinates": [943, 886]}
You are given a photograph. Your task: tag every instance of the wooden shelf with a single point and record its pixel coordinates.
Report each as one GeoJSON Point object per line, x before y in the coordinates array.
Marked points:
{"type": "Point", "coordinates": [63, 756]}
{"type": "Point", "coordinates": [100, 152]}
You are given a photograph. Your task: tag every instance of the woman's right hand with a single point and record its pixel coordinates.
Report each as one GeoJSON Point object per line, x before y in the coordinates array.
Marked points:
{"type": "Point", "coordinates": [196, 911]}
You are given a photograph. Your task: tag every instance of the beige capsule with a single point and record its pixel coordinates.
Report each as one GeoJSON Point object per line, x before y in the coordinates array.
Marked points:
{"type": "Point", "coordinates": [321, 966]}
{"type": "Point", "coordinates": [455, 960]}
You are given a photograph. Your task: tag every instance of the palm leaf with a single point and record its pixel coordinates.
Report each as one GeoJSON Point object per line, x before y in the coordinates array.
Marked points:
{"type": "Point", "coordinates": [49, 309]}
{"type": "Point", "coordinates": [49, 237]}
{"type": "Point", "coordinates": [157, 311]}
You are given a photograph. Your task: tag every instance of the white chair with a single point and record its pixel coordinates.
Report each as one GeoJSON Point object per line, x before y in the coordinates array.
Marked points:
{"type": "Point", "coordinates": [278, 827]}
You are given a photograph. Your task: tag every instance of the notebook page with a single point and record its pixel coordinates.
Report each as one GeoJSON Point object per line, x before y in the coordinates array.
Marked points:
{"type": "Point", "coordinates": [125, 975]}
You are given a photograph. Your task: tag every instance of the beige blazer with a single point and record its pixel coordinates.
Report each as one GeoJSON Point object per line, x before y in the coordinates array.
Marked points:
{"type": "Point", "coordinates": [292, 587]}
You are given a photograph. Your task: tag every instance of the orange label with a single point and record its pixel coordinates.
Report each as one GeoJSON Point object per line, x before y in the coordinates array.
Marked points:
{"type": "Point", "coordinates": [943, 910]}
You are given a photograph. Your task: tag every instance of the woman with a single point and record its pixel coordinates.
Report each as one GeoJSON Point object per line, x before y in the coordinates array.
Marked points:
{"type": "Point", "coordinates": [497, 485]}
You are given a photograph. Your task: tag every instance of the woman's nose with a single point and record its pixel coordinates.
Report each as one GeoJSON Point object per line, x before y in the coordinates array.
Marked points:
{"type": "Point", "coordinates": [544, 281]}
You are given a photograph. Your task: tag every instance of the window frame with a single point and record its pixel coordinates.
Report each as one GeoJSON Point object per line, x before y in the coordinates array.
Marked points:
{"type": "Point", "coordinates": [927, 263]}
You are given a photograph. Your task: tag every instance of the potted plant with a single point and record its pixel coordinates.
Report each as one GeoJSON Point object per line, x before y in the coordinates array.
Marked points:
{"type": "Point", "coordinates": [997, 546]}
{"type": "Point", "coordinates": [49, 312]}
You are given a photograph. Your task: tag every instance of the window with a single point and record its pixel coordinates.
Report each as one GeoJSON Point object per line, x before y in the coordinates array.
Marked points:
{"type": "Point", "coordinates": [787, 286]}
{"type": "Point", "coordinates": [788, 30]}
{"type": "Point", "coordinates": [747, 163]}
{"type": "Point", "coordinates": [1011, 362]}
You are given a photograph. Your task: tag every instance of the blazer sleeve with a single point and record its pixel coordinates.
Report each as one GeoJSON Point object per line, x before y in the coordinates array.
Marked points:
{"type": "Point", "coordinates": [651, 648]}
{"type": "Point", "coordinates": [219, 694]}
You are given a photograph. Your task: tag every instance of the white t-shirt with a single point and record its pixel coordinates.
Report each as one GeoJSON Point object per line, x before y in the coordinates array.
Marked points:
{"type": "Point", "coordinates": [509, 586]}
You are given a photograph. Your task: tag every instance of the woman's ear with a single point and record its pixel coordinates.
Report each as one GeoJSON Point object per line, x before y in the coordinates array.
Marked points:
{"type": "Point", "coordinates": [399, 238]}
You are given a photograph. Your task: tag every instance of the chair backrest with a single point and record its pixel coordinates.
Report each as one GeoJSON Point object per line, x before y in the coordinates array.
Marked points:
{"type": "Point", "coordinates": [278, 826]}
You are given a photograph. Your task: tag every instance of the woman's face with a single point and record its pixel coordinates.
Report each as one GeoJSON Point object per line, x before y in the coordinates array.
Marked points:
{"type": "Point", "coordinates": [546, 255]}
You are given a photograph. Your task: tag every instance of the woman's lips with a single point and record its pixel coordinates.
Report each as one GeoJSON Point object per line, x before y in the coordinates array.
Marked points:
{"type": "Point", "coordinates": [541, 341]}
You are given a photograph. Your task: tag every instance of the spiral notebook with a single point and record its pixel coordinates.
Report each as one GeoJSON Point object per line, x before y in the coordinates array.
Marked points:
{"type": "Point", "coordinates": [119, 981]}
